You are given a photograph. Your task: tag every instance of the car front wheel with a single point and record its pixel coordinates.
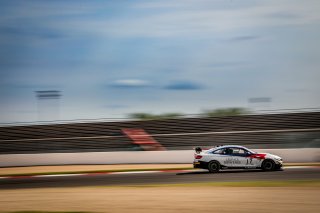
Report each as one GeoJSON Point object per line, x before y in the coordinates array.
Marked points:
{"type": "Point", "coordinates": [268, 165]}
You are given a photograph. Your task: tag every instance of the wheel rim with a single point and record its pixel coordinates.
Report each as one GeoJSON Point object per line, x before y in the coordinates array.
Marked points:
{"type": "Point", "coordinates": [213, 166]}
{"type": "Point", "coordinates": [268, 165]}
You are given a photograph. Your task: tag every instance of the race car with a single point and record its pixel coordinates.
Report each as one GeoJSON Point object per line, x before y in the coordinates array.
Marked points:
{"type": "Point", "coordinates": [235, 157]}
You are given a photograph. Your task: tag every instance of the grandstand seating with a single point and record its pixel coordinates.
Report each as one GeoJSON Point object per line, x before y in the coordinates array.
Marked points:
{"type": "Point", "coordinates": [265, 131]}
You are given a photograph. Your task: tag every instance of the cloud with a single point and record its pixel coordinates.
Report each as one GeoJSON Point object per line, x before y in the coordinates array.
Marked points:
{"type": "Point", "coordinates": [21, 10]}
{"type": "Point", "coordinates": [245, 38]}
{"type": "Point", "coordinates": [116, 106]}
{"type": "Point", "coordinates": [30, 32]}
{"type": "Point", "coordinates": [189, 22]}
{"type": "Point", "coordinates": [227, 64]}
{"type": "Point", "coordinates": [297, 90]}
{"type": "Point", "coordinates": [183, 85]}
{"type": "Point", "coordinates": [31, 86]}
{"type": "Point", "coordinates": [130, 83]}
{"type": "Point", "coordinates": [284, 15]}
{"type": "Point", "coordinates": [168, 19]}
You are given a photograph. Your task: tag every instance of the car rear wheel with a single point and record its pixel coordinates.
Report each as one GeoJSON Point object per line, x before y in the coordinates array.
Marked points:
{"type": "Point", "coordinates": [268, 165]}
{"type": "Point", "coordinates": [213, 166]}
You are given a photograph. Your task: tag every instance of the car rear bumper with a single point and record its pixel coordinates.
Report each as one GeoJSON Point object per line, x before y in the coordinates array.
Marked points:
{"type": "Point", "coordinates": [196, 165]}
{"type": "Point", "coordinates": [200, 165]}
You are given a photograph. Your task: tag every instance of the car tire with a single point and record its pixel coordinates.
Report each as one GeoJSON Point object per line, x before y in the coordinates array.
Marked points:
{"type": "Point", "coordinates": [268, 165]}
{"type": "Point", "coordinates": [213, 166]}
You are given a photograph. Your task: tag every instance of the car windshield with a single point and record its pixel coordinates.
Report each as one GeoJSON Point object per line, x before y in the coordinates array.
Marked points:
{"type": "Point", "coordinates": [251, 151]}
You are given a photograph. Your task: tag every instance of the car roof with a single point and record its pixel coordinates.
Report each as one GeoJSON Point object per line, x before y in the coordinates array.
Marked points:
{"type": "Point", "coordinates": [229, 146]}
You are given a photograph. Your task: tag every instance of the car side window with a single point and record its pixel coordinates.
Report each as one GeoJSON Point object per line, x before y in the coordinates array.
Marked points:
{"type": "Point", "coordinates": [234, 151]}
{"type": "Point", "coordinates": [239, 152]}
{"type": "Point", "coordinates": [218, 152]}
{"type": "Point", "coordinates": [243, 152]}
{"type": "Point", "coordinates": [231, 151]}
{"type": "Point", "coordinates": [227, 151]}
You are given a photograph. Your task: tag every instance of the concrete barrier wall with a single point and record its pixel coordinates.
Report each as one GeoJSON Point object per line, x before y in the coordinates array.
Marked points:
{"type": "Point", "coordinates": [139, 157]}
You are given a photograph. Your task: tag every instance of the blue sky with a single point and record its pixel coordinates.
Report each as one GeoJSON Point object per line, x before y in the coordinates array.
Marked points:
{"type": "Point", "coordinates": [112, 58]}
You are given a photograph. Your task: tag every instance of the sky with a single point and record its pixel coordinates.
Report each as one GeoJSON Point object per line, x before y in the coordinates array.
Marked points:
{"type": "Point", "coordinates": [112, 58]}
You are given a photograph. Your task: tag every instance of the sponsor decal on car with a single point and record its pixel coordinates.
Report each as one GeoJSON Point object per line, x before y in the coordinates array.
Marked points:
{"type": "Point", "coordinates": [232, 161]}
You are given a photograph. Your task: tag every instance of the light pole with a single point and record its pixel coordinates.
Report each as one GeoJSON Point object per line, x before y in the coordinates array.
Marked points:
{"type": "Point", "coordinates": [259, 103]}
{"type": "Point", "coordinates": [48, 105]}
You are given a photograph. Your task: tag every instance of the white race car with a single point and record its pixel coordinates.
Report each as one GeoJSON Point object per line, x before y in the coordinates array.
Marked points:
{"type": "Point", "coordinates": [234, 157]}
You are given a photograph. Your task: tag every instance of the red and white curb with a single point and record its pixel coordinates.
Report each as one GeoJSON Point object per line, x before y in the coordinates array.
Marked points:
{"type": "Point", "coordinates": [125, 173]}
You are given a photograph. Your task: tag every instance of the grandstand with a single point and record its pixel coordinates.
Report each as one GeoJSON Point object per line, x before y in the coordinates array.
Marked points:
{"type": "Point", "coordinates": [285, 130]}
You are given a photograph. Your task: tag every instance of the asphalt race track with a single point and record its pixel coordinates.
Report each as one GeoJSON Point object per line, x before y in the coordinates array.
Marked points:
{"type": "Point", "coordinates": [138, 178]}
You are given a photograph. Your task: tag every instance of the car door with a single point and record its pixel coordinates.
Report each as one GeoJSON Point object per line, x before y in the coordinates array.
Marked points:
{"type": "Point", "coordinates": [246, 158]}
{"type": "Point", "coordinates": [253, 160]}
{"type": "Point", "coordinates": [234, 157]}
{"type": "Point", "coordinates": [218, 156]}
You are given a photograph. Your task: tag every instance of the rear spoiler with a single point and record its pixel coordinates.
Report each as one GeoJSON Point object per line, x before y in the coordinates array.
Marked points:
{"type": "Point", "coordinates": [198, 150]}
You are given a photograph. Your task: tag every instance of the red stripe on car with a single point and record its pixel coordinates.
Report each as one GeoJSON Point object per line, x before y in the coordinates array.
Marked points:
{"type": "Point", "coordinates": [259, 156]}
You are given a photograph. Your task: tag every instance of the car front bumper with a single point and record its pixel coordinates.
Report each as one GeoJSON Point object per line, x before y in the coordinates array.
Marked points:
{"type": "Point", "coordinates": [278, 164]}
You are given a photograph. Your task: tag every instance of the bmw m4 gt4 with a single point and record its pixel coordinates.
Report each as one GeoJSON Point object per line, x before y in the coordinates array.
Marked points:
{"type": "Point", "coordinates": [234, 157]}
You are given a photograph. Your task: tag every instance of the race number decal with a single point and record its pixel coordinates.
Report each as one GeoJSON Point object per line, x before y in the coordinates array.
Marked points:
{"type": "Point", "coordinates": [249, 161]}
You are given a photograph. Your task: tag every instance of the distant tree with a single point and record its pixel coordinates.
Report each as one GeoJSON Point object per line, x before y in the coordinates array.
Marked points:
{"type": "Point", "coordinates": [170, 115]}
{"type": "Point", "coordinates": [142, 116]}
{"type": "Point", "coordinates": [208, 113]}
{"type": "Point", "coordinates": [225, 112]}
{"type": "Point", "coordinates": [148, 116]}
